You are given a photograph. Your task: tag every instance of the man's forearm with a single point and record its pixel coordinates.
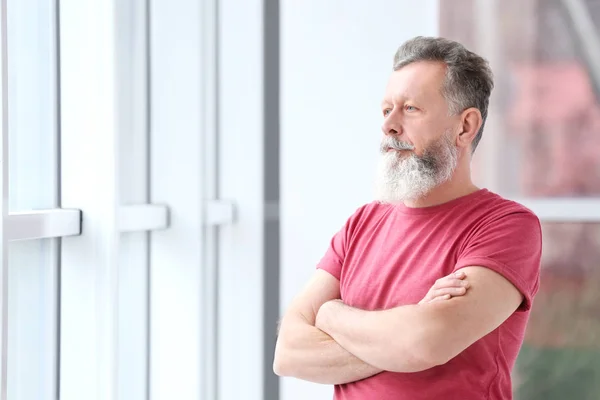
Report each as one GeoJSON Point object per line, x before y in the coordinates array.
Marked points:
{"type": "Point", "coordinates": [370, 336]}
{"type": "Point", "coordinates": [305, 352]}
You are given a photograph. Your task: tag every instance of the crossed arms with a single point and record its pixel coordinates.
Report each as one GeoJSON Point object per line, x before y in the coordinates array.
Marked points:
{"type": "Point", "coordinates": [325, 341]}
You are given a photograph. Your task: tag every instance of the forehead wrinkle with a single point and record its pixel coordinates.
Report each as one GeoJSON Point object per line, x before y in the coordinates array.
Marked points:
{"type": "Point", "coordinates": [396, 98]}
{"type": "Point", "coordinates": [403, 94]}
{"type": "Point", "coordinates": [410, 83]}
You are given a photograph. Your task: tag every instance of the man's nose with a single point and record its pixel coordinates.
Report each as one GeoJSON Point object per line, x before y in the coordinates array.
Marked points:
{"type": "Point", "coordinates": [391, 126]}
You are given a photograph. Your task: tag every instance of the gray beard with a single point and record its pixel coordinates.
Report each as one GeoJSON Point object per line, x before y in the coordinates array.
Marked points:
{"type": "Point", "coordinates": [402, 177]}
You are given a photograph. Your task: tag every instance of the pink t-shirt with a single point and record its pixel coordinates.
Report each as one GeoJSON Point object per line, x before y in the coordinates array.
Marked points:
{"type": "Point", "coordinates": [387, 256]}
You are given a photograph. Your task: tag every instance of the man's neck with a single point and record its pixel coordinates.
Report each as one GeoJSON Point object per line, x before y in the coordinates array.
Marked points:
{"type": "Point", "coordinates": [458, 186]}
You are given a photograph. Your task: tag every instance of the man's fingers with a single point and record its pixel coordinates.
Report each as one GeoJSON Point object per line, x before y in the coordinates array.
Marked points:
{"type": "Point", "coordinates": [455, 275]}
{"type": "Point", "coordinates": [443, 294]}
{"type": "Point", "coordinates": [450, 282]}
{"type": "Point", "coordinates": [446, 294]}
{"type": "Point", "coordinates": [451, 291]}
{"type": "Point", "coordinates": [439, 298]}
{"type": "Point", "coordinates": [445, 288]}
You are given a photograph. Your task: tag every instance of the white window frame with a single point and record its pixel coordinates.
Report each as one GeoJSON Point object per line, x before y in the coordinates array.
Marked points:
{"type": "Point", "coordinates": [67, 222]}
{"type": "Point", "coordinates": [558, 210]}
{"type": "Point", "coordinates": [4, 204]}
{"type": "Point", "coordinates": [43, 224]}
{"type": "Point", "coordinates": [186, 295]}
{"type": "Point", "coordinates": [244, 319]}
{"type": "Point", "coordinates": [26, 225]}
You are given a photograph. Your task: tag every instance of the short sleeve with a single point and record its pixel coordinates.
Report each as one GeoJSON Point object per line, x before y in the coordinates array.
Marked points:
{"type": "Point", "coordinates": [510, 245]}
{"type": "Point", "coordinates": [333, 260]}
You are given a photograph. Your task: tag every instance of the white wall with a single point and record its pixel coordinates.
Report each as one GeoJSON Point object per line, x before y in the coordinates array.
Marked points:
{"type": "Point", "coordinates": [336, 57]}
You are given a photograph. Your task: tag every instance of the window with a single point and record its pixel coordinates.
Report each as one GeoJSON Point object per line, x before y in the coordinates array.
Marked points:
{"type": "Point", "coordinates": [542, 148]}
{"type": "Point", "coordinates": [560, 356]}
{"type": "Point", "coordinates": [32, 185]}
{"type": "Point", "coordinates": [112, 130]}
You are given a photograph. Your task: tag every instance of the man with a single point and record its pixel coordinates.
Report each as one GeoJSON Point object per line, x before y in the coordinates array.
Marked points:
{"type": "Point", "coordinates": [424, 293]}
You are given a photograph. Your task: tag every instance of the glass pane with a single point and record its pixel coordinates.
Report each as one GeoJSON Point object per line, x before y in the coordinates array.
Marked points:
{"type": "Point", "coordinates": [132, 73]}
{"type": "Point", "coordinates": [133, 321]}
{"type": "Point", "coordinates": [544, 141]}
{"type": "Point", "coordinates": [32, 105]}
{"type": "Point", "coordinates": [32, 320]}
{"type": "Point", "coordinates": [561, 355]}
{"type": "Point", "coordinates": [32, 265]}
{"type": "Point", "coordinates": [543, 137]}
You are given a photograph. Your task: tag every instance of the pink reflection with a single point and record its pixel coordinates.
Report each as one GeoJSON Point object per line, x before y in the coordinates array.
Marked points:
{"type": "Point", "coordinates": [556, 117]}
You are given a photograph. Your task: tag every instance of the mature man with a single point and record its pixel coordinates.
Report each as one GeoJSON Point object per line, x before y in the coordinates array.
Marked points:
{"type": "Point", "coordinates": [366, 322]}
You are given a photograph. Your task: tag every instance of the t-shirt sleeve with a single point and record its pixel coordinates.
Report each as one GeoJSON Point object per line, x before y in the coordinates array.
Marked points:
{"type": "Point", "coordinates": [510, 245]}
{"type": "Point", "coordinates": [333, 260]}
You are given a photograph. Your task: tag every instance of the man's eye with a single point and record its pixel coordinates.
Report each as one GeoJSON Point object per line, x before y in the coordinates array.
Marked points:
{"type": "Point", "coordinates": [387, 112]}
{"type": "Point", "coordinates": [410, 108]}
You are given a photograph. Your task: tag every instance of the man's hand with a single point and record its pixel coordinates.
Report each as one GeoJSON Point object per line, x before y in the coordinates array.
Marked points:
{"type": "Point", "coordinates": [414, 338]}
{"type": "Point", "coordinates": [445, 288]}
{"type": "Point", "coordinates": [453, 285]}
{"type": "Point", "coordinates": [304, 351]}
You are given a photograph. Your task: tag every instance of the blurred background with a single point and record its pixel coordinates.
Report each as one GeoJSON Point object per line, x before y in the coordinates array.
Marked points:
{"type": "Point", "coordinates": [172, 172]}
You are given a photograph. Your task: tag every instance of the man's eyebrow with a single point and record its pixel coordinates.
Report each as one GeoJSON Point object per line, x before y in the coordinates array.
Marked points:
{"type": "Point", "coordinates": [403, 98]}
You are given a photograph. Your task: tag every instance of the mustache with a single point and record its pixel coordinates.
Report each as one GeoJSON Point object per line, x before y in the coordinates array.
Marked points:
{"type": "Point", "coordinates": [389, 142]}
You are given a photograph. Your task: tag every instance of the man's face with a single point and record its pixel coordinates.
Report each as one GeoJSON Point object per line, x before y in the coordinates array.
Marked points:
{"type": "Point", "coordinates": [418, 147]}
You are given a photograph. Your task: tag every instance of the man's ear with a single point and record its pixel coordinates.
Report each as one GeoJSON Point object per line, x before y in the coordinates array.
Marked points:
{"type": "Point", "coordinates": [470, 122]}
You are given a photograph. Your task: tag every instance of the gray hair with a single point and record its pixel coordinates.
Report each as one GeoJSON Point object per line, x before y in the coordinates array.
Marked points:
{"type": "Point", "coordinates": [469, 79]}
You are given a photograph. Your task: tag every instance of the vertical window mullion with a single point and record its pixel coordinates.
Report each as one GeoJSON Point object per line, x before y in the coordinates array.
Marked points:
{"type": "Point", "coordinates": [32, 179]}
{"type": "Point", "coordinates": [4, 203]}
{"type": "Point", "coordinates": [89, 181]}
{"type": "Point", "coordinates": [133, 261]}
